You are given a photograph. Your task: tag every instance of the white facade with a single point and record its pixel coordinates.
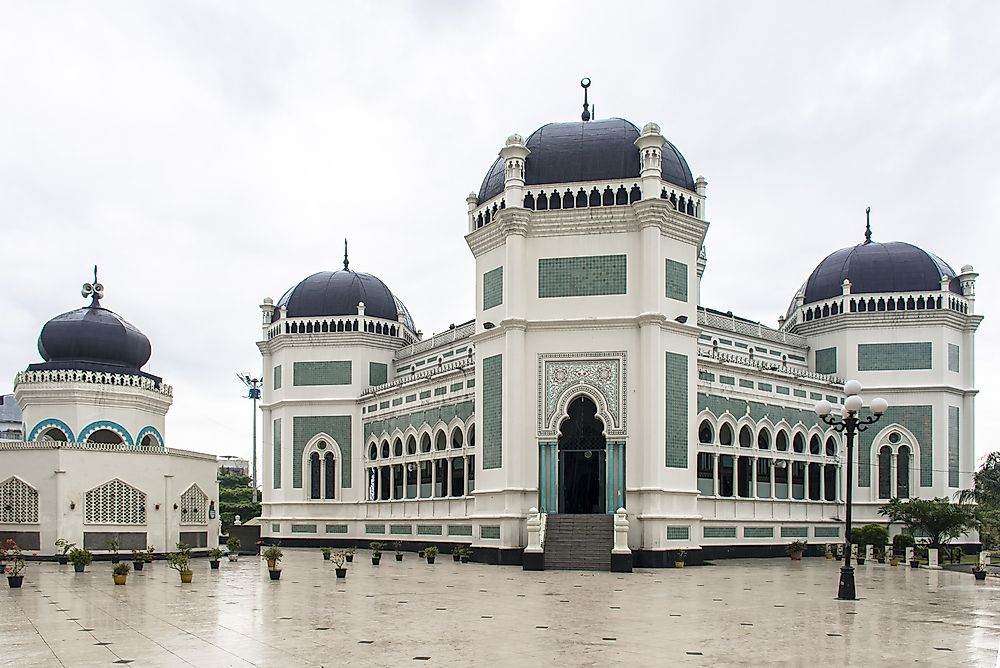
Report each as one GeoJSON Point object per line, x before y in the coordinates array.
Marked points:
{"type": "Point", "coordinates": [707, 435]}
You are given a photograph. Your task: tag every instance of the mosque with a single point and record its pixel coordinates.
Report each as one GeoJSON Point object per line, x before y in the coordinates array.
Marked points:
{"type": "Point", "coordinates": [95, 466]}
{"type": "Point", "coordinates": [591, 379]}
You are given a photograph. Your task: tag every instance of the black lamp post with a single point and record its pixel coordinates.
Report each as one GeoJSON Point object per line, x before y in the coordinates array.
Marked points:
{"type": "Point", "coordinates": [850, 423]}
{"type": "Point", "coordinates": [253, 387]}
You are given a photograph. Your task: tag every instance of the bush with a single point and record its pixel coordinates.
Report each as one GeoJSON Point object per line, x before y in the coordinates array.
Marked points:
{"type": "Point", "coordinates": [900, 542]}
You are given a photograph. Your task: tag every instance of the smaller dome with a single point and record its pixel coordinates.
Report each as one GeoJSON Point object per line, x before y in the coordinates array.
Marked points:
{"type": "Point", "coordinates": [338, 293]}
{"type": "Point", "coordinates": [93, 335]}
{"type": "Point", "coordinates": [873, 268]}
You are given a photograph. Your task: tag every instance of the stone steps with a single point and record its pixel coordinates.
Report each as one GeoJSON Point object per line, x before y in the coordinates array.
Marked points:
{"type": "Point", "coordinates": [579, 542]}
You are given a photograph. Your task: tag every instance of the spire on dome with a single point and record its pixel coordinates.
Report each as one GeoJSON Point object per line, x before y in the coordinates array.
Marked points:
{"type": "Point", "coordinates": [585, 83]}
{"type": "Point", "coordinates": [346, 263]}
{"type": "Point", "coordinates": [868, 225]}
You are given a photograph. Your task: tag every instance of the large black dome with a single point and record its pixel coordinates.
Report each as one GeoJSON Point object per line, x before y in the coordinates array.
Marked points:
{"type": "Point", "coordinates": [586, 151]}
{"type": "Point", "coordinates": [872, 267]}
{"type": "Point", "coordinates": [338, 293]}
{"type": "Point", "coordinates": [92, 337]}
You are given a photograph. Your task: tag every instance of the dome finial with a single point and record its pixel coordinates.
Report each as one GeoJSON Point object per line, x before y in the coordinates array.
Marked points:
{"type": "Point", "coordinates": [585, 83]}
{"type": "Point", "coordinates": [868, 225]}
{"type": "Point", "coordinates": [346, 263]}
{"type": "Point", "coordinates": [93, 290]}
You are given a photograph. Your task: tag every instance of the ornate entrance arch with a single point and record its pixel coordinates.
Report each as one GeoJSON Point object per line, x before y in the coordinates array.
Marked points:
{"type": "Point", "coordinates": [582, 449]}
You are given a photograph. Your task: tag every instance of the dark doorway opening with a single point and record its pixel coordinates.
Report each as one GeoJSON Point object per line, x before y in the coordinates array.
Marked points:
{"type": "Point", "coordinates": [582, 460]}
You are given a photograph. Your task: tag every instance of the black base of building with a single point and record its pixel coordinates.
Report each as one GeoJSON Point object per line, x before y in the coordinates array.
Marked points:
{"type": "Point", "coordinates": [621, 563]}
{"type": "Point", "coordinates": [533, 561]}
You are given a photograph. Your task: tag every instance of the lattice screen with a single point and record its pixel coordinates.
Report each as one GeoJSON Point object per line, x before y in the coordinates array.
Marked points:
{"type": "Point", "coordinates": [194, 506]}
{"type": "Point", "coordinates": [18, 502]}
{"type": "Point", "coordinates": [115, 502]}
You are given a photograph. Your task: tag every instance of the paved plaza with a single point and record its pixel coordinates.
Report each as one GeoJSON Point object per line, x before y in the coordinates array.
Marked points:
{"type": "Point", "coordinates": [735, 613]}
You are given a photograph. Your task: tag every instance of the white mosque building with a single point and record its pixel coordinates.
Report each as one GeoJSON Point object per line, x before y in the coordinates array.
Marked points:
{"type": "Point", "coordinates": [95, 464]}
{"type": "Point", "coordinates": [590, 378]}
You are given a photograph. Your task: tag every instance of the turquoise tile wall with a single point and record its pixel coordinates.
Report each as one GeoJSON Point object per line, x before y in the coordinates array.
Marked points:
{"type": "Point", "coordinates": [677, 280]}
{"type": "Point", "coordinates": [758, 532]}
{"type": "Point", "coordinates": [678, 533]}
{"type": "Point", "coordinates": [826, 360]}
{"type": "Point", "coordinates": [953, 430]}
{"type": "Point", "coordinates": [493, 412]}
{"type": "Point", "coordinates": [748, 384]}
{"type": "Point", "coordinates": [338, 427]}
{"type": "Point", "coordinates": [920, 421]}
{"type": "Point", "coordinates": [794, 532]}
{"type": "Point", "coordinates": [493, 288]}
{"type": "Point", "coordinates": [491, 532]}
{"type": "Point", "coordinates": [276, 454]}
{"type": "Point", "coordinates": [894, 356]}
{"type": "Point", "coordinates": [582, 276]}
{"type": "Point", "coordinates": [378, 373]}
{"type": "Point", "coordinates": [336, 528]}
{"type": "Point", "coordinates": [460, 530]}
{"type": "Point", "coordinates": [276, 383]}
{"type": "Point", "coordinates": [953, 357]}
{"type": "Point", "coordinates": [826, 532]}
{"type": "Point", "coordinates": [455, 387]}
{"type": "Point", "coordinates": [321, 373]}
{"type": "Point", "coordinates": [303, 528]}
{"type": "Point", "coordinates": [677, 410]}
{"type": "Point", "coordinates": [374, 528]}
{"type": "Point", "coordinates": [428, 529]}
{"type": "Point", "coordinates": [718, 532]}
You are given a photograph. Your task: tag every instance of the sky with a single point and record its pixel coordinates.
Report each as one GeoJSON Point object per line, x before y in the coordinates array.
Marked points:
{"type": "Point", "coordinates": [209, 154]}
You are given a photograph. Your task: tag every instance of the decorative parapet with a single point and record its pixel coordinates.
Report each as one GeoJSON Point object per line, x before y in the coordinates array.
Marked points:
{"type": "Point", "coordinates": [419, 375]}
{"type": "Point", "coordinates": [450, 336]}
{"type": "Point", "coordinates": [849, 304]}
{"type": "Point", "coordinates": [93, 377]}
{"type": "Point", "coordinates": [766, 365]}
{"type": "Point", "coordinates": [739, 326]}
{"type": "Point", "coordinates": [88, 445]}
{"type": "Point", "coordinates": [342, 324]}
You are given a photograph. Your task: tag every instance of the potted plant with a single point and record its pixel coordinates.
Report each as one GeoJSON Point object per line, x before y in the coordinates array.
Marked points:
{"type": "Point", "coordinates": [13, 560]}
{"type": "Point", "coordinates": [466, 554]}
{"type": "Point", "coordinates": [326, 553]}
{"type": "Point", "coordinates": [399, 552]}
{"type": "Point", "coordinates": [338, 558]}
{"type": "Point", "coordinates": [456, 553]}
{"type": "Point", "coordinates": [119, 573]}
{"type": "Point", "coordinates": [679, 557]}
{"type": "Point", "coordinates": [180, 561]}
{"type": "Point", "coordinates": [429, 553]}
{"type": "Point", "coordinates": [979, 571]}
{"type": "Point", "coordinates": [349, 554]}
{"type": "Point", "coordinates": [113, 546]}
{"type": "Point", "coordinates": [795, 549]}
{"type": "Point", "coordinates": [376, 548]}
{"type": "Point", "coordinates": [65, 546]}
{"type": "Point", "coordinates": [214, 555]}
{"type": "Point", "coordinates": [272, 554]}
{"type": "Point", "coordinates": [80, 559]}
{"type": "Point", "coordinates": [918, 554]}
{"type": "Point", "coordinates": [233, 545]}
{"type": "Point", "coordinates": [138, 560]}
{"type": "Point", "coordinates": [828, 551]}
{"type": "Point", "coordinates": [147, 556]}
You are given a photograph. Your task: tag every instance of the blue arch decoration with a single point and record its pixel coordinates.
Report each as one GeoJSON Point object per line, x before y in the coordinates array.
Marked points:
{"type": "Point", "coordinates": [105, 424]}
{"type": "Point", "coordinates": [51, 422]}
{"type": "Point", "coordinates": [149, 429]}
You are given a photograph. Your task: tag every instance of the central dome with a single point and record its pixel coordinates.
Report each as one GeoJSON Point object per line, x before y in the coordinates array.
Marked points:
{"type": "Point", "coordinates": [602, 150]}
{"type": "Point", "coordinates": [90, 336]}
{"type": "Point", "coordinates": [338, 293]}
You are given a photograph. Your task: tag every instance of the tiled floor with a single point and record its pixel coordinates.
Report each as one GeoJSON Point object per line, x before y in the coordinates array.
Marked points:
{"type": "Point", "coordinates": [739, 612]}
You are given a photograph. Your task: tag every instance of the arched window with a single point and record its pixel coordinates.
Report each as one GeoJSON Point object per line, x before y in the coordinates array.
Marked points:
{"type": "Point", "coordinates": [781, 441]}
{"type": "Point", "coordinates": [385, 449]}
{"type": "Point", "coordinates": [726, 474]}
{"type": "Point", "coordinates": [411, 446]}
{"type": "Point", "coordinates": [373, 451]}
{"type": "Point", "coordinates": [705, 432]}
{"type": "Point", "coordinates": [903, 472]}
{"type": "Point", "coordinates": [149, 441]}
{"type": "Point", "coordinates": [441, 441]}
{"type": "Point", "coordinates": [764, 439]}
{"type": "Point", "coordinates": [397, 447]}
{"type": "Point", "coordinates": [831, 446]}
{"type": "Point", "coordinates": [329, 475]}
{"type": "Point", "coordinates": [885, 472]}
{"type": "Point", "coordinates": [53, 434]}
{"type": "Point", "coordinates": [425, 443]}
{"type": "Point", "coordinates": [799, 443]}
{"type": "Point", "coordinates": [726, 435]}
{"type": "Point", "coordinates": [472, 436]}
{"type": "Point", "coordinates": [457, 440]}
{"type": "Point", "coordinates": [104, 436]}
{"type": "Point", "coordinates": [746, 439]}
{"type": "Point", "coordinates": [814, 445]}
{"type": "Point", "coordinates": [314, 476]}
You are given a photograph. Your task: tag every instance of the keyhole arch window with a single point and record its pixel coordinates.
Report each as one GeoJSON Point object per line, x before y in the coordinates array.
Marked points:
{"type": "Point", "coordinates": [322, 460]}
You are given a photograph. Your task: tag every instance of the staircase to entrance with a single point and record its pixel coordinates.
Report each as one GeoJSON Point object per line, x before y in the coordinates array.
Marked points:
{"type": "Point", "coordinates": [579, 542]}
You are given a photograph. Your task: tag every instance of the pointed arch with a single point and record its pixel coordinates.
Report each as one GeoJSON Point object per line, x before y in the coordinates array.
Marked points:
{"type": "Point", "coordinates": [114, 502]}
{"type": "Point", "coordinates": [194, 506]}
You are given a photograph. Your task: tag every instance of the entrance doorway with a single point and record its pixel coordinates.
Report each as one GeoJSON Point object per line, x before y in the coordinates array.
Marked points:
{"type": "Point", "coordinates": [582, 460]}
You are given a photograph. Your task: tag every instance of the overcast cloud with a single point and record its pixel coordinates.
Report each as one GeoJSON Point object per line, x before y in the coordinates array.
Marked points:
{"type": "Point", "coordinates": [207, 155]}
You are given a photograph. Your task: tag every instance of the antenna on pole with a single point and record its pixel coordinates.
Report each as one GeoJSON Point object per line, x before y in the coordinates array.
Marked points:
{"type": "Point", "coordinates": [868, 225]}
{"type": "Point", "coordinates": [585, 84]}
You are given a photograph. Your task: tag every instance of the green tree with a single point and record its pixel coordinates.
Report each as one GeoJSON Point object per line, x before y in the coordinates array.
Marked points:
{"type": "Point", "coordinates": [236, 497]}
{"type": "Point", "coordinates": [940, 519]}
{"type": "Point", "coordinates": [985, 492]}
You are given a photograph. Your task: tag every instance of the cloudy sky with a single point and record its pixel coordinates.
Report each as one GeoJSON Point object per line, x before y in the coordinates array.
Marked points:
{"type": "Point", "coordinates": [207, 155]}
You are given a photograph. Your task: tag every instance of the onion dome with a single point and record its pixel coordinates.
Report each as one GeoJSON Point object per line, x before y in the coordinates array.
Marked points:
{"type": "Point", "coordinates": [329, 293]}
{"type": "Point", "coordinates": [601, 150]}
{"type": "Point", "coordinates": [92, 338]}
{"type": "Point", "coordinates": [873, 268]}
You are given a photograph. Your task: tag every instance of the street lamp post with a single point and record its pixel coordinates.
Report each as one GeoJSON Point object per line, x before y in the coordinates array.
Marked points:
{"type": "Point", "coordinates": [850, 423]}
{"type": "Point", "coordinates": [253, 392]}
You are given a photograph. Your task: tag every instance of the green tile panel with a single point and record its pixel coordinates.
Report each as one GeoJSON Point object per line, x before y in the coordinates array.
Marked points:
{"type": "Point", "coordinates": [378, 373]}
{"type": "Point", "coordinates": [894, 356]}
{"type": "Point", "coordinates": [276, 383]}
{"type": "Point", "coordinates": [400, 529]}
{"type": "Point", "coordinates": [493, 288]}
{"type": "Point", "coordinates": [826, 361]}
{"type": "Point", "coordinates": [718, 532]}
{"type": "Point", "coordinates": [425, 394]}
{"type": "Point", "coordinates": [440, 391]}
{"type": "Point", "coordinates": [585, 276]}
{"type": "Point", "coordinates": [953, 357]}
{"type": "Point", "coordinates": [275, 528]}
{"type": "Point", "coordinates": [727, 380]}
{"type": "Point", "coordinates": [416, 419]}
{"type": "Point", "coordinates": [321, 373]}
{"type": "Point", "coordinates": [801, 394]}
{"type": "Point", "coordinates": [953, 430]}
{"type": "Point", "coordinates": [919, 420]}
{"type": "Point", "coordinates": [794, 532]}
{"type": "Point", "coordinates": [492, 419]}
{"type": "Point", "coordinates": [336, 528]}
{"type": "Point", "coordinates": [374, 528]}
{"type": "Point", "coordinates": [748, 384]}
{"type": "Point", "coordinates": [410, 398]}
{"type": "Point", "coordinates": [428, 529]}
{"type": "Point", "coordinates": [490, 532]}
{"type": "Point", "coordinates": [460, 530]}
{"type": "Point", "coordinates": [705, 375]}
{"type": "Point", "coordinates": [677, 410]}
{"type": "Point", "coordinates": [677, 280]}
{"type": "Point", "coordinates": [764, 387]}
{"type": "Point", "coordinates": [826, 532]}
{"type": "Point", "coordinates": [678, 533]}
{"type": "Point", "coordinates": [815, 396]}
{"type": "Point", "coordinates": [303, 528]}
{"type": "Point", "coordinates": [455, 387]}
{"type": "Point", "coordinates": [781, 389]}
{"type": "Point", "coordinates": [337, 427]}
{"type": "Point", "coordinates": [757, 410]}
{"type": "Point", "coordinates": [276, 454]}
{"type": "Point", "coordinates": [758, 532]}
{"type": "Point", "coordinates": [397, 401]}
{"type": "Point", "coordinates": [832, 399]}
